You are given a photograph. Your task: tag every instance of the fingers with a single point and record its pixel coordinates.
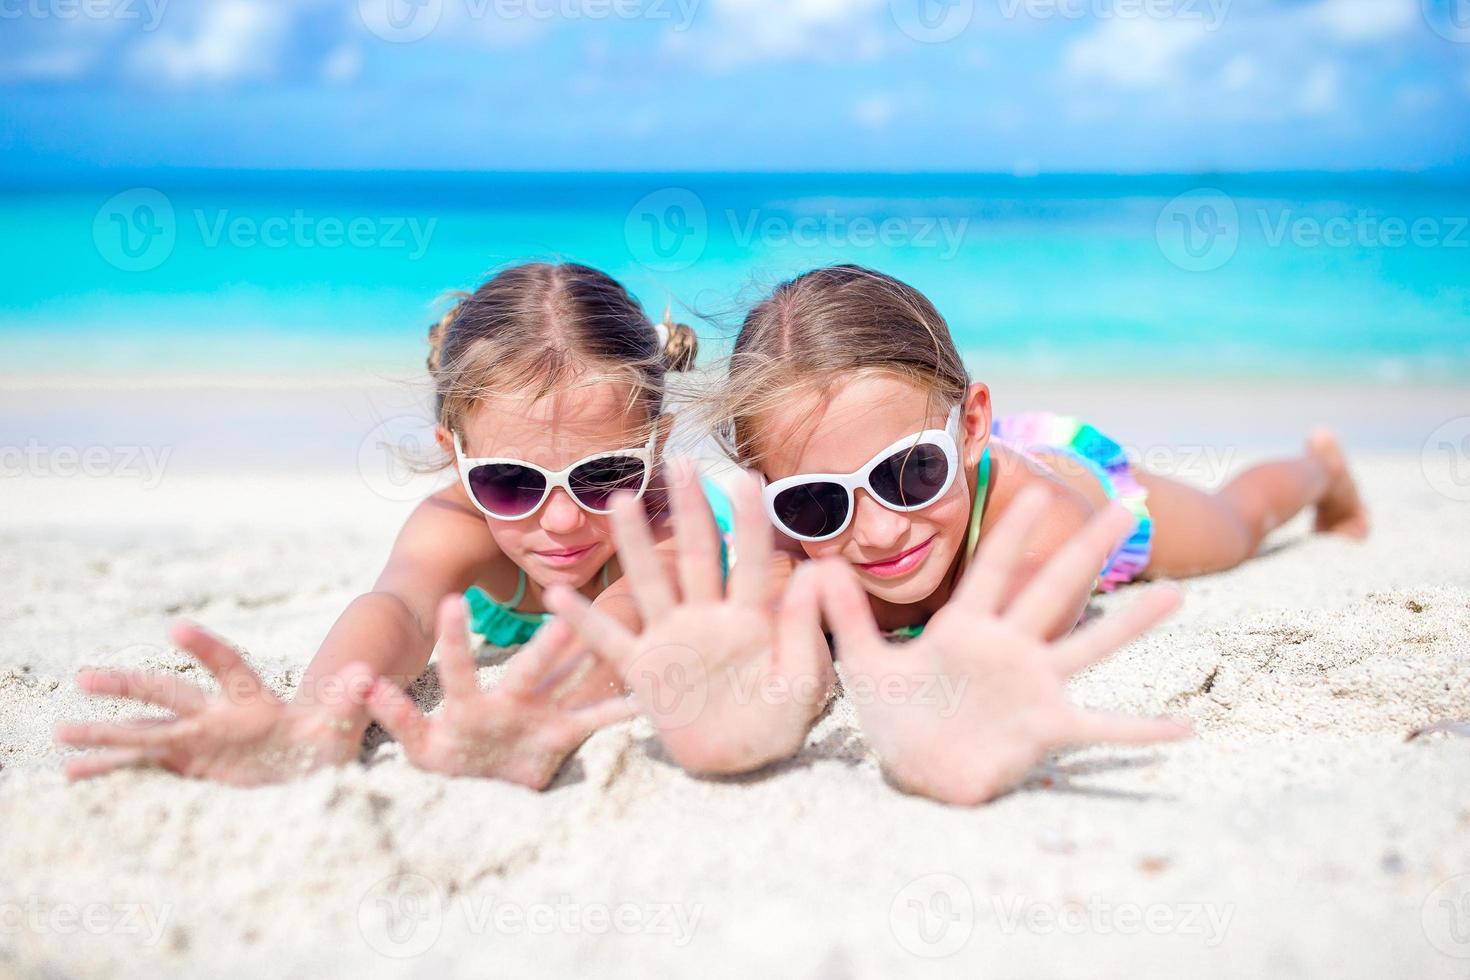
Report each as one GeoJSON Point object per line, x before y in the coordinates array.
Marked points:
{"type": "Point", "coordinates": [549, 650]}
{"type": "Point", "coordinates": [456, 663]}
{"type": "Point", "coordinates": [752, 543]}
{"type": "Point", "coordinates": [96, 764]}
{"type": "Point", "coordinates": [1096, 726]}
{"type": "Point", "coordinates": [985, 582]}
{"type": "Point", "coordinates": [397, 713]}
{"type": "Point", "coordinates": [799, 618]}
{"type": "Point", "coordinates": [144, 733]}
{"type": "Point", "coordinates": [357, 680]}
{"type": "Point", "coordinates": [1071, 570]}
{"type": "Point", "coordinates": [609, 711]}
{"type": "Point", "coordinates": [608, 638]}
{"type": "Point", "coordinates": [150, 687]}
{"type": "Point", "coordinates": [221, 660]}
{"type": "Point", "coordinates": [641, 566]}
{"type": "Point", "coordinates": [1098, 640]}
{"type": "Point", "coordinates": [697, 537]}
{"type": "Point", "coordinates": [850, 615]}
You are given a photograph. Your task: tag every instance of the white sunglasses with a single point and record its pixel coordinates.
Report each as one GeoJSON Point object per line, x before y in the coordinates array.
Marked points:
{"type": "Point", "coordinates": [908, 475]}
{"type": "Point", "coordinates": [509, 489]}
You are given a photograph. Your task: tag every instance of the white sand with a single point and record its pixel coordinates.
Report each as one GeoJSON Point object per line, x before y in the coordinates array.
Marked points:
{"type": "Point", "coordinates": [1297, 835]}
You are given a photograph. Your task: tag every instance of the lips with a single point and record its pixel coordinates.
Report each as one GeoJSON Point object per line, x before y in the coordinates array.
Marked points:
{"type": "Point", "coordinates": [564, 556]}
{"type": "Point", "coordinates": [900, 564]}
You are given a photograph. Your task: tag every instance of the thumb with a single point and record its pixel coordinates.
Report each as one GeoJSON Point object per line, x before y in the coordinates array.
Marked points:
{"type": "Point", "coordinates": [850, 615]}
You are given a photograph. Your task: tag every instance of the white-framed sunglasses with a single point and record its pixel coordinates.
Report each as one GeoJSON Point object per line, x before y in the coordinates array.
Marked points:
{"type": "Point", "coordinates": [509, 489]}
{"type": "Point", "coordinates": [907, 475]}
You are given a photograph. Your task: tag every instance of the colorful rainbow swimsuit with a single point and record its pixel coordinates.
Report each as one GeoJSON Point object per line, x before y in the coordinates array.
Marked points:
{"type": "Point", "coordinates": [1064, 435]}
{"type": "Point", "coordinates": [501, 624]}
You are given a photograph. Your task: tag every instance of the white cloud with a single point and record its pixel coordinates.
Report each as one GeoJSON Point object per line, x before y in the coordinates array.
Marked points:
{"type": "Point", "coordinates": [1319, 92]}
{"type": "Point", "coordinates": [1364, 20]}
{"type": "Point", "coordinates": [1135, 54]}
{"type": "Point", "coordinates": [1239, 73]}
{"type": "Point", "coordinates": [233, 40]}
{"type": "Point", "coordinates": [741, 31]}
{"type": "Point", "coordinates": [343, 64]}
{"type": "Point", "coordinates": [875, 111]}
{"type": "Point", "coordinates": [1267, 64]}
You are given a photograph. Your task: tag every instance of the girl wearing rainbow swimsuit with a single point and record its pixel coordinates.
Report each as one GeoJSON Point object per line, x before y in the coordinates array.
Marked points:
{"type": "Point", "coordinates": [974, 540]}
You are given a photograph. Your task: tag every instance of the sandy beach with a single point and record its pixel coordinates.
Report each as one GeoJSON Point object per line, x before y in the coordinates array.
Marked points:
{"type": "Point", "coordinates": [1298, 834]}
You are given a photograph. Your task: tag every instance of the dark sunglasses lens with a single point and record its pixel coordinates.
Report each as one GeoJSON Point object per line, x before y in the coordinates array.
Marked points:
{"type": "Point", "coordinates": [507, 489]}
{"type": "Point", "coordinates": [595, 482]}
{"type": "Point", "coordinates": [911, 477]}
{"type": "Point", "coordinates": [812, 510]}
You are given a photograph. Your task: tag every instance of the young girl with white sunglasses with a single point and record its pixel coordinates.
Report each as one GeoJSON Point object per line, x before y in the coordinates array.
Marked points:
{"type": "Point", "coordinates": [549, 384]}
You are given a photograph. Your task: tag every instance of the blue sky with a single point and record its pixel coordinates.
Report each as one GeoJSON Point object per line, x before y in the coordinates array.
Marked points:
{"type": "Point", "coordinates": [1011, 86]}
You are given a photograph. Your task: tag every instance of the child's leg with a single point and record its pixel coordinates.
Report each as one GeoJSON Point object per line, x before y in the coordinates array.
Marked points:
{"type": "Point", "coordinates": [1197, 532]}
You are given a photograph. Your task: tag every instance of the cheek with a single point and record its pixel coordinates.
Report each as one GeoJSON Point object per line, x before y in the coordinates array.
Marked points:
{"type": "Point", "coordinates": [508, 535]}
{"type": "Point", "coordinates": [600, 526]}
{"type": "Point", "coordinates": [947, 518]}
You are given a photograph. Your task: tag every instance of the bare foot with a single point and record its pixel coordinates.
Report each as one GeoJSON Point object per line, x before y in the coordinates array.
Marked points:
{"type": "Point", "coordinates": [1341, 510]}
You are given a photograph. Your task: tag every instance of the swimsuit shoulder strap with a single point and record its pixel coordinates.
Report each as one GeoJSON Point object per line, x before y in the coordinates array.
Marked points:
{"type": "Point", "coordinates": [515, 600]}
{"type": "Point", "coordinates": [977, 509]}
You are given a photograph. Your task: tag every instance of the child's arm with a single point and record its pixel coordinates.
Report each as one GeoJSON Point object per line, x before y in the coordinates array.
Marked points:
{"type": "Point", "coordinates": [1072, 499]}
{"type": "Point", "coordinates": [244, 734]}
{"type": "Point", "coordinates": [442, 549]}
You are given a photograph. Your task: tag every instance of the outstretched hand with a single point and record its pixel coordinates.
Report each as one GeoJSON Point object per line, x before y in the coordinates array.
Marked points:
{"type": "Point", "coordinates": [1001, 702]}
{"type": "Point", "coordinates": [243, 734]}
{"type": "Point", "coordinates": [520, 731]}
{"type": "Point", "coordinates": [729, 684]}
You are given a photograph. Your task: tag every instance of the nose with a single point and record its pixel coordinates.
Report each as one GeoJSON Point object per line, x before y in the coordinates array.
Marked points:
{"type": "Point", "coordinates": [560, 514]}
{"type": "Point", "coordinates": [875, 527]}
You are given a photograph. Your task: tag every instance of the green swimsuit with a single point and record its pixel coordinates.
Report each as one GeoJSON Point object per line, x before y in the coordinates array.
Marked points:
{"type": "Point", "coordinates": [503, 625]}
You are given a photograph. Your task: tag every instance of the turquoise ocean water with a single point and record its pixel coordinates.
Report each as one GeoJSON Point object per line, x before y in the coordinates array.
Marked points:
{"type": "Point", "coordinates": [1344, 276]}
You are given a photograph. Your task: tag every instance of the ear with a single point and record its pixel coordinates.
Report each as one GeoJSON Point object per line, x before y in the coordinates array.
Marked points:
{"type": "Point", "coordinates": [975, 421]}
{"type": "Point", "coordinates": [445, 439]}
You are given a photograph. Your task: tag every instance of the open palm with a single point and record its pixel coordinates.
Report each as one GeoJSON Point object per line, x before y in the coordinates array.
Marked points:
{"type": "Point", "coordinates": [243, 734]}
{"type": "Point", "coordinates": [728, 686]}
{"type": "Point", "coordinates": [961, 712]}
{"type": "Point", "coordinates": [522, 730]}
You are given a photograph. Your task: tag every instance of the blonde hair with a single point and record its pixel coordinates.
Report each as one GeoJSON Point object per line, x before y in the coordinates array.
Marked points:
{"type": "Point", "coordinates": [822, 327]}
{"type": "Point", "coordinates": [543, 327]}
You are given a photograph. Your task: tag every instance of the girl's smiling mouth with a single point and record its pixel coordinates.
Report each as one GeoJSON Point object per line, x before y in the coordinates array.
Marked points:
{"type": "Point", "coordinates": [564, 556]}
{"type": "Point", "coordinates": [899, 564]}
